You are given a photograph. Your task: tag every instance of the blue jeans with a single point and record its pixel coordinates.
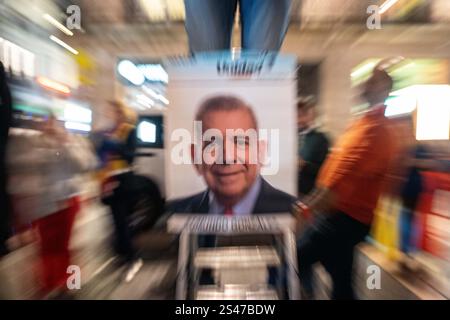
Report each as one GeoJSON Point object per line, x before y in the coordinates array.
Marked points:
{"type": "Point", "coordinates": [209, 23]}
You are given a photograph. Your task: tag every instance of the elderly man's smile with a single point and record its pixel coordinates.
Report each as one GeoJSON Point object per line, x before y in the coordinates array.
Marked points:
{"type": "Point", "coordinates": [226, 177]}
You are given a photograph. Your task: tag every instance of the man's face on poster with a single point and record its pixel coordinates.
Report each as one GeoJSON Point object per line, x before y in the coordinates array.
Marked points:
{"type": "Point", "coordinates": [230, 172]}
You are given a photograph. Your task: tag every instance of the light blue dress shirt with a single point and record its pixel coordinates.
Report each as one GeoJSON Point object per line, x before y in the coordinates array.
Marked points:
{"type": "Point", "coordinates": [244, 207]}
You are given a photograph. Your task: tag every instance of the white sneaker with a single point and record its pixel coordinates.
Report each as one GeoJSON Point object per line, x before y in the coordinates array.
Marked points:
{"type": "Point", "coordinates": [133, 270]}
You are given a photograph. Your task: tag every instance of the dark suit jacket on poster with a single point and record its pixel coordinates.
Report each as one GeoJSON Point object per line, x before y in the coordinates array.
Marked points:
{"type": "Point", "coordinates": [269, 200]}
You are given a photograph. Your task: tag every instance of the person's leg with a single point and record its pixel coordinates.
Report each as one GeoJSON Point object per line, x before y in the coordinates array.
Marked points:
{"type": "Point", "coordinates": [122, 205]}
{"type": "Point", "coordinates": [47, 229]}
{"type": "Point", "coordinates": [264, 23]}
{"type": "Point", "coordinates": [339, 258]}
{"type": "Point", "coordinates": [209, 24]}
{"type": "Point", "coordinates": [307, 256]}
{"type": "Point", "coordinates": [339, 264]}
{"type": "Point", "coordinates": [65, 224]}
{"type": "Point", "coordinates": [311, 248]}
{"type": "Point", "coordinates": [123, 244]}
{"type": "Point", "coordinates": [54, 232]}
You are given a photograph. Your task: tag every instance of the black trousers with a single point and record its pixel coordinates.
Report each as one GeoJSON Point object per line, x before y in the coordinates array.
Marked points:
{"type": "Point", "coordinates": [121, 205]}
{"type": "Point", "coordinates": [330, 240]}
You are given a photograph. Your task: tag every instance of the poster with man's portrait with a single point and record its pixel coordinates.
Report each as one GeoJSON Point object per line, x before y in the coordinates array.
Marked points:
{"type": "Point", "coordinates": [249, 96]}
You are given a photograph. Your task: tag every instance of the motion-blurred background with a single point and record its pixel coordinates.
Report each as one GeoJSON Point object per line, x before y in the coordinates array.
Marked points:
{"type": "Point", "coordinates": [117, 54]}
